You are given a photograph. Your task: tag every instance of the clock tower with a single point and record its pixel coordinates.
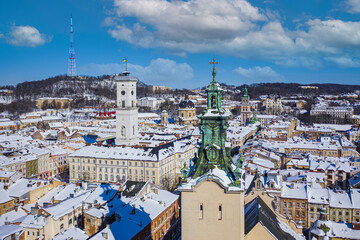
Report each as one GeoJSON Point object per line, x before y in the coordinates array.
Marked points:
{"type": "Point", "coordinates": [126, 111]}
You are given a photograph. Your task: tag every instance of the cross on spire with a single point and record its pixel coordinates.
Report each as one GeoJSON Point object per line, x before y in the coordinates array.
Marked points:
{"type": "Point", "coordinates": [213, 71]}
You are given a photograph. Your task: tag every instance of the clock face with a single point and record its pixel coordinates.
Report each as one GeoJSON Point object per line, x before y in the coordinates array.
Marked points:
{"type": "Point", "coordinates": [122, 92]}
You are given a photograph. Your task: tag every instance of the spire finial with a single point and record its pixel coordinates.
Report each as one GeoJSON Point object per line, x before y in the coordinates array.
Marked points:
{"type": "Point", "coordinates": [213, 71]}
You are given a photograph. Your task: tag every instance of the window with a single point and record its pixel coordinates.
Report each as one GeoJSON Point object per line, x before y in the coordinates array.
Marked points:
{"type": "Point", "coordinates": [123, 131]}
{"type": "Point", "coordinates": [220, 212]}
{"type": "Point", "coordinates": [302, 214]}
{"type": "Point", "coordinates": [302, 205]}
{"type": "Point", "coordinates": [290, 204]}
{"type": "Point", "coordinates": [297, 205]}
{"type": "Point", "coordinates": [62, 226]}
{"type": "Point", "coordinates": [123, 103]}
{"type": "Point", "coordinates": [201, 214]}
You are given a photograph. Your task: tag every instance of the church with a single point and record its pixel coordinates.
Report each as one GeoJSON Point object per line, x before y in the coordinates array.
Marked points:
{"type": "Point", "coordinates": [214, 203]}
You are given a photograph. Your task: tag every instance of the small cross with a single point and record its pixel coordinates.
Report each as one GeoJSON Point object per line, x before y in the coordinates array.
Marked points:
{"type": "Point", "coordinates": [213, 62]}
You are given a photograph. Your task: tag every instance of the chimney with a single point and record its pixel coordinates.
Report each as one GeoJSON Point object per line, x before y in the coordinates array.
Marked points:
{"type": "Point", "coordinates": [34, 210]}
{"type": "Point", "coordinates": [133, 210]}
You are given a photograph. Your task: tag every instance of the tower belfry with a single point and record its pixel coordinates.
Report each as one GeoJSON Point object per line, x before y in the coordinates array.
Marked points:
{"type": "Point", "coordinates": [126, 111]}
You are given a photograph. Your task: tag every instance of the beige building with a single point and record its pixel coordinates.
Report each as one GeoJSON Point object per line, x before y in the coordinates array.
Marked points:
{"type": "Point", "coordinates": [53, 103]}
{"type": "Point", "coordinates": [159, 164]}
{"type": "Point", "coordinates": [210, 211]}
{"type": "Point", "coordinates": [45, 223]}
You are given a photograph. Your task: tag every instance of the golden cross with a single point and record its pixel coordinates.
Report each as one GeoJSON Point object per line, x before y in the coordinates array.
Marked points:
{"type": "Point", "coordinates": [213, 62]}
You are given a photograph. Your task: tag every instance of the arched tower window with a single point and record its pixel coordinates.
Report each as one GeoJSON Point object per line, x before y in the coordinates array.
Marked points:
{"type": "Point", "coordinates": [213, 102]}
{"type": "Point", "coordinates": [123, 131]}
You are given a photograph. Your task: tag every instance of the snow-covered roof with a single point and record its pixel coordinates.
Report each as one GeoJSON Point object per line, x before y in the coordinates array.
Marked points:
{"type": "Point", "coordinates": [294, 190]}
{"type": "Point", "coordinates": [71, 233]}
{"type": "Point", "coordinates": [340, 199]}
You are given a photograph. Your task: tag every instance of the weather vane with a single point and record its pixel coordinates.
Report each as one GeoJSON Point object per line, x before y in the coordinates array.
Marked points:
{"type": "Point", "coordinates": [213, 72]}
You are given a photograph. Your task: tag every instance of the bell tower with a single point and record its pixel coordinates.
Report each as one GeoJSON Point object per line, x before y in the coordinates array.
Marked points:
{"type": "Point", "coordinates": [126, 111]}
{"type": "Point", "coordinates": [215, 149]}
{"type": "Point", "coordinates": [245, 107]}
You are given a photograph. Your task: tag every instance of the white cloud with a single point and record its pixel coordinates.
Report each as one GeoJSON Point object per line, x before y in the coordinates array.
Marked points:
{"type": "Point", "coordinates": [160, 71]}
{"type": "Point", "coordinates": [2, 35]}
{"type": "Point", "coordinates": [234, 28]}
{"type": "Point", "coordinates": [352, 6]}
{"type": "Point", "coordinates": [27, 36]}
{"type": "Point", "coordinates": [259, 74]}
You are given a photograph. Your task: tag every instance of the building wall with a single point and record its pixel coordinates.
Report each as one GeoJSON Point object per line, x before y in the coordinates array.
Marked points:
{"type": "Point", "coordinates": [113, 170]}
{"type": "Point", "coordinates": [340, 214]}
{"type": "Point", "coordinates": [296, 209]}
{"type": "Point", "coordinates": [314, 212]}
{"type": "Point", "coordinates": [210, 223]}
{"type": "Point", "coordinates": [6, 207]}
{"type": "Point", "coordinates": [259, 232]}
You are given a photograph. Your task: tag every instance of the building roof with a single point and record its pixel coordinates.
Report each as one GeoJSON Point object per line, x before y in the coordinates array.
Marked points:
{"type": "Point", "coordinates": [257, 211]}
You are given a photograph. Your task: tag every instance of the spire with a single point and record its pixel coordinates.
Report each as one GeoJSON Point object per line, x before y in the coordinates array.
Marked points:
{"type": "Point", "coordinates": [213, 71]}
{"type": "Point", "coordinates": [245, 91]}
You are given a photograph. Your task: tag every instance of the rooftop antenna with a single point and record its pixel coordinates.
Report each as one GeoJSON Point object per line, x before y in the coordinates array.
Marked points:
{"type": "Point", "coordinates": [71, 64]}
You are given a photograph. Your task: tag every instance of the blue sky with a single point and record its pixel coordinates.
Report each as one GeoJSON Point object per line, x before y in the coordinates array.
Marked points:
{"type": "Point", "coordinates": [172, 42]}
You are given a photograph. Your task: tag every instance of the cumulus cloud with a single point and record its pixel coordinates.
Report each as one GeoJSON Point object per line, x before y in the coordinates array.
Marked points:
{"type": "Point", "coordinates": [160, 71]}
{"type": "Point", "coordinates": [352, 6]}
{"type": "Point", "coordinates": [27, 36]}
{"type": "Point", "coordinates": [259, 74]}
{"type": "Point", "coordinates": [234, 28]}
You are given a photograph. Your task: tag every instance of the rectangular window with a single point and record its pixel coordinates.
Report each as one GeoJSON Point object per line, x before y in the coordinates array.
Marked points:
{"type": "Point", "coordinates": [297, 205]}
{"type": "Point", "coordinates": [201, 214]}
{"type": "Point", "coordinates": [220, 212]}
{"type": "Point", "coordinates": [123, 103]}
{"type": "Point", "coordinates": [290, 204]}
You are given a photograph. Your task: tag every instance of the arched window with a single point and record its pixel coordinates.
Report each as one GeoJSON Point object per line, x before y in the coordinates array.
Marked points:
{"type": "Point", "coordinates": [123, 131]}
{"type": "Point", "coordinates": [258, 185]}
{"type": "Point", "coordinates": [100, 176]}
{"type": "Point", "coordinates": [106, 177]}
{"type": "Point", "coordinates": [62, 226]}
{"type": "Point", "coordinates": [213, 102]}
{"type": "Point", "coordinates": [112, 178]}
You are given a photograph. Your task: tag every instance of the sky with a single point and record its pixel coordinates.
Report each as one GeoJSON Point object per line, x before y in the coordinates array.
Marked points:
{"type": "Point", "coordinates": [170, 43]}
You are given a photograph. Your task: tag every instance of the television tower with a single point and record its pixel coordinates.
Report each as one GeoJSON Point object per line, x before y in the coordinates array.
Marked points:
{"type": "Point", "coordinates": [71, 63]}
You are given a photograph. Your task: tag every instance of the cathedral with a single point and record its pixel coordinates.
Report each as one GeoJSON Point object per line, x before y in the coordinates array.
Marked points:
{"type": "Point", "coordinates": [214, 201]}
{"type": "Point", "coordinates": [212, 190]}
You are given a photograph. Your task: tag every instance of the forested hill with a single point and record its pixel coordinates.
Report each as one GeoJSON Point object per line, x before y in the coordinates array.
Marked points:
{"type": "Point", "coordinates": [63, 86]}
{"type": "Point", "coordinates": [288, 89]}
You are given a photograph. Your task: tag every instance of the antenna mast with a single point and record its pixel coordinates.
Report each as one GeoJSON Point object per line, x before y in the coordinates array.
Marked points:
{"type": "Point", "coordinates": [71, 63]}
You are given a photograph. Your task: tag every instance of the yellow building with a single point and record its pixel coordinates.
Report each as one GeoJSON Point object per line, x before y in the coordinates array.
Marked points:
{"type": "Point", "coordinates": [58, 103]}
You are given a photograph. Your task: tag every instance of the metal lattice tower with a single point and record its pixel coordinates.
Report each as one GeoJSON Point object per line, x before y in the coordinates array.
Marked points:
{"type": "Point", "coordinates": [71, 63]}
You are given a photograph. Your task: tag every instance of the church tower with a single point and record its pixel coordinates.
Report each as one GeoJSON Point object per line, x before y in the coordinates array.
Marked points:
{"type": "Point", "coordinates": [245, 108]}
{"type": "Point", "coordinates": [126, 111]}
{"type": "Point", "coordinates": [212, 188]}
